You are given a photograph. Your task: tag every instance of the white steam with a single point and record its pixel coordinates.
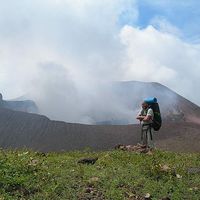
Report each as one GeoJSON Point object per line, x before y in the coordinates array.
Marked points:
{"type": "Point", "coordinates": [63, 53]}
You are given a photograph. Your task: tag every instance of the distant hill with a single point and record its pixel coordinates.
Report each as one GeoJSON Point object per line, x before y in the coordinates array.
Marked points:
{"type": "Point", "coordinates": [19, 105]}
{"type": "Point", "coordinates": [114, 103]}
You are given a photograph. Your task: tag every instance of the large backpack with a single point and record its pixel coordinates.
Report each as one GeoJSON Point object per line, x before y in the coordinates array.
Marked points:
{"type": "Point", "coordinates": [157, 120]}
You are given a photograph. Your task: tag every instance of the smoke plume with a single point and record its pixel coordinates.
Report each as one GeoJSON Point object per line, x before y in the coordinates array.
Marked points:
{"type": "Point", "coordinates": [65, 55]}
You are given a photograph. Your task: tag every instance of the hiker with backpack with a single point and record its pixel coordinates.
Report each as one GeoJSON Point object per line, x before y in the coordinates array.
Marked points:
{"type": "Point", "coordinates": [150, 120]}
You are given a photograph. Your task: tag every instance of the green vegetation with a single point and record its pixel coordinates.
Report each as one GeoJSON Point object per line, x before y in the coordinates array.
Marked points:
{"type": "Point", "coordinates": [115, 175]}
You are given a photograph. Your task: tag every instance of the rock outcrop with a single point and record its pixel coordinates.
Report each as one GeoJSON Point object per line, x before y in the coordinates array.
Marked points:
{"type": "Point", "coordinates": [24, 106]}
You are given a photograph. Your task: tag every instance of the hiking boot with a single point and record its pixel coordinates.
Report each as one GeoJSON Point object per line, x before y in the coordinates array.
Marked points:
{"type": "Point", "coordinates": [141, 145]}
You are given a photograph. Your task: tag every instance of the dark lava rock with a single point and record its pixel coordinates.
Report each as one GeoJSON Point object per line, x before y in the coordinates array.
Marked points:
{"type": "Point", "coordinates": [88, 161]}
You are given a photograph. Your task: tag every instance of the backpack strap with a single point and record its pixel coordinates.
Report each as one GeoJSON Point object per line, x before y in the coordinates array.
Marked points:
{"type": "Point", "coordinates": [144, 111]}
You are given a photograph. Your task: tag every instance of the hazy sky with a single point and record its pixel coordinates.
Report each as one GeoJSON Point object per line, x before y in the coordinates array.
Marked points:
{"type": "Point", "coordinates": [49, 47]}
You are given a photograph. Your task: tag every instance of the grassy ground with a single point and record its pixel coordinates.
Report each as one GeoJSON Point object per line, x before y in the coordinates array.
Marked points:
{"type": "Point", "coordinates": [115, 175]}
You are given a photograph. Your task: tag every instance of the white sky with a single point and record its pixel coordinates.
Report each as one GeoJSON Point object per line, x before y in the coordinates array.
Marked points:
{"type": "Point", "coordinates": [49, 46]}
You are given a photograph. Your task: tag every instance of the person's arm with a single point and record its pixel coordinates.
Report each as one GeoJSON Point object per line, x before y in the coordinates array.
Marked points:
{"type": "Point", "coordinates": [147, 118]}
{"type": "Point", "coordinates": [139, 116]}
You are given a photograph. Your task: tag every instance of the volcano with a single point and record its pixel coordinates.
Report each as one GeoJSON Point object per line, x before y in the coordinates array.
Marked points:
{"type": "Point", "coordinates": [130, 95]}
{"type": "Point", "coordinates": [180, 131]}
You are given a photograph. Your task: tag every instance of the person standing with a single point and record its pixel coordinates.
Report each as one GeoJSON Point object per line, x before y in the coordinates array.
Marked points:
{"type": "Point", "coordinates": [146, 116]}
